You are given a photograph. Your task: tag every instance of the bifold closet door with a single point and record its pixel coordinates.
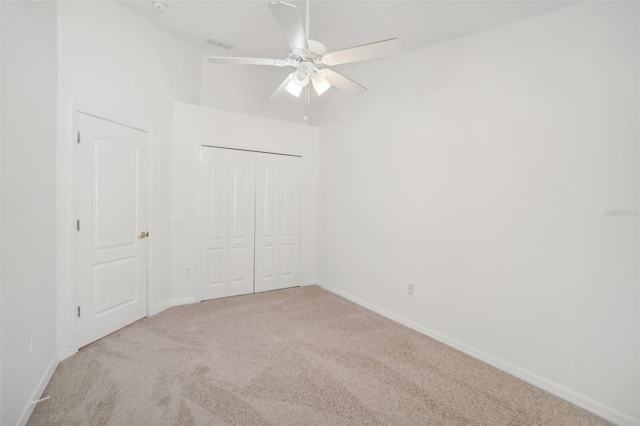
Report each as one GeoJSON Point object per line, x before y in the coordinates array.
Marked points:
{"type": "Point", "coordinates": [277, 256]}
{"type": "Point", "coordinates": [227, 218]}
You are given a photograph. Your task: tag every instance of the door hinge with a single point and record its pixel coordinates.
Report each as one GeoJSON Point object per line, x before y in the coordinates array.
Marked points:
{"type": "Point", "coordinates": [78, 311]}
{"type": "Point", "coordinates": [78, 137]}
{"type": "Point", "coordinates": [78, 224]}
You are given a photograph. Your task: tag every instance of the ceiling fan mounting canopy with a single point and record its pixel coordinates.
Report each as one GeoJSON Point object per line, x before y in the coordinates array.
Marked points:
{"type": "Point", "coordinates": [310, 57]}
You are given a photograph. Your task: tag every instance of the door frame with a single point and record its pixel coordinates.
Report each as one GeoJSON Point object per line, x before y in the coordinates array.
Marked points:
{"type": "Point", "coordinates": [199, 260]}
{"type": "Point", "coordinates": [74, 128]}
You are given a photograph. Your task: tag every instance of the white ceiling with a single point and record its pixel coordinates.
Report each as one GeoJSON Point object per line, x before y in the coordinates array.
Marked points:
{"type": "Point", "coordinates": [251, 28]}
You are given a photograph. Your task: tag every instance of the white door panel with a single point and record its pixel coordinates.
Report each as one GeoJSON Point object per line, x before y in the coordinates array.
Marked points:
{"type": "Point", "coordinates": [278, 182]}
{"type": "Point", "coordinates": [112, 209]}
{"type": "Point", "coordinates": [227, 212]}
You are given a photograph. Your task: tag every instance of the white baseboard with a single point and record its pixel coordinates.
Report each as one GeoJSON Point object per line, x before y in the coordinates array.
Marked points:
{"type": "Point", "coordinates": [161, 307]}
{"type": "Point", "coordinates": [183, 301]}
{"type": "Point", "coordinates": [171, 304]}
{"type": "Point", "coordinates": [37, 393]}
{"type": "Point", "coordinates": [576, 398]}
{"type": "Point", "coordinates": [66, 353]}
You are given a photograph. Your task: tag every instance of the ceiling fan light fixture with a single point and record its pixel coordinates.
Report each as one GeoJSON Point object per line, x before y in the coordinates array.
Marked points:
{"type": "Point", "coordinates": [320, 84]}
{"type": "Point", "coordinates": [294, 88]}
{"type": "Point", "coordinates": [301, 77]}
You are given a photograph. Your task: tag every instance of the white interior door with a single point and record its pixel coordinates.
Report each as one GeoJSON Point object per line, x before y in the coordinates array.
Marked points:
{"type": "Point", "coordinates": [227, 216]}
{"type": "Point", "coordinates": [278, 182]}
{"type": "Point", "coordinates": [111, 289]}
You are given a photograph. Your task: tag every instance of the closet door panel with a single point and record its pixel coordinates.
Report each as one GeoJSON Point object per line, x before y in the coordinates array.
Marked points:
{"type": "Point", "coordinates": [242, 221]}
{"type": "Point", "coordinates": [227, 214]}
{"type": "Point", "coordinates": [278, 182]}
{"type": "Point", "coordinates": [213, 217]}
{"type": "Point", "coordinates": [289, 222]}
{"type": "Point", "coordinates": [266, 215]}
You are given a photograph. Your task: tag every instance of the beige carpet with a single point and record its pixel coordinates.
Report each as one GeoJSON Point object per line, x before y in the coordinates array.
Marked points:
{"type": "Point", "coordinates": [300, 356]}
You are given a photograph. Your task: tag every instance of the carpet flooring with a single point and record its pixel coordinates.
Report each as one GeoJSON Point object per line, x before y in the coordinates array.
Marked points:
{"type": "Point", "coordinates": [300, 356]}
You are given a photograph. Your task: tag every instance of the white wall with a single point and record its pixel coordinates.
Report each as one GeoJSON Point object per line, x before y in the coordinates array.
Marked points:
{"type": "Point", "coordinates": [480, 169]}
{"type": "Point", "coordinates": [116, 62]}
{"type": "Point", "coordinates": [28, 203]}
{"type": "Point", "coordinates": [195, 126]}
{"type": "Point", "coordinates": [0, 213]}
{"type": "Point", "coordinates": [247, 89]}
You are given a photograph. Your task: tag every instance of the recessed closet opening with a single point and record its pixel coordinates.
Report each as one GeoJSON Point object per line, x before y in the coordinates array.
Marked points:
{"type": "Point", "coordinates": [249, 221]}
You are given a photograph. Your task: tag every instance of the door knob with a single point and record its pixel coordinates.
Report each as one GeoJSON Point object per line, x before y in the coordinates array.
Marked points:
{"type": "Point", "coordinates": [143, 235]}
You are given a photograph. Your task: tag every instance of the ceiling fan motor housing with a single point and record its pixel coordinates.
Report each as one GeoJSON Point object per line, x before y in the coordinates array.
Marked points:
{"type": "Point", "coordinates": [317, 48]}
{"type": "Point", "coordinates": [313, 54]}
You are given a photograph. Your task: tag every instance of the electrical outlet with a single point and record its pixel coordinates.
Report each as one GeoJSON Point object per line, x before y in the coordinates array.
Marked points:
{"type": "Point", "coordinates": [187, 271]}
{"type": "Point", "coordinates": [410, 289]}
{"type": "Point", "coordinates": [337, 266]}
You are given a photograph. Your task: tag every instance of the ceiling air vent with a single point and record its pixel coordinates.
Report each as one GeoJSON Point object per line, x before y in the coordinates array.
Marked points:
{"type": "Point", "coordinates": [221, 44]}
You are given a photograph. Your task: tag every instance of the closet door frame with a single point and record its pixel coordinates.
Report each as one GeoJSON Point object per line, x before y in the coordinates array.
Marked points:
{"type": "Point", "coordinates": [200, 261]}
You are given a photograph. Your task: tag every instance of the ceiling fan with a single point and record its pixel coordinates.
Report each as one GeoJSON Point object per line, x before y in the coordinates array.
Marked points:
{"type": "Point", "coordinates": [310, 57]}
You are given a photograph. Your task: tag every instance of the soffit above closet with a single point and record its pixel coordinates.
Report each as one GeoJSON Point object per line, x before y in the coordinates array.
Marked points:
{"type": "Point", "coordinates": [250, 27]}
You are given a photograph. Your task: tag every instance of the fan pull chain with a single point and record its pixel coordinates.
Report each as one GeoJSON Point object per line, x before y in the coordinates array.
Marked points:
{"type": "Point", "coordinates": [306, 107]}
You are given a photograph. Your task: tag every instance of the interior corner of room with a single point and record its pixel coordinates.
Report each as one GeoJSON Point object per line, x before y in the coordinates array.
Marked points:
{"type": "Point", "coordinates": [484, 191]}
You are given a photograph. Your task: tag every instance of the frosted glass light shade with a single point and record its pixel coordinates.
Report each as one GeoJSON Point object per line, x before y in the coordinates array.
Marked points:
{"type": "Point", "coordinates": [320, 84]}
{"type": "Point", "coordinates": [294, 88]}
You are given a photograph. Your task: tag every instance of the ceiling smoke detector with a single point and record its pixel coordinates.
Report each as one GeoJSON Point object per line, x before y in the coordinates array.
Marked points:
{"type": "Point", "coordinates": [158, 5]}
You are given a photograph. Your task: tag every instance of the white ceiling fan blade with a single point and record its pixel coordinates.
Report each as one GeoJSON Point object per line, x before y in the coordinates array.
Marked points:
{"type": "Point", "coordinates": [282, 89]}
{"type": "Point", "coordinates": [248, 61]}
{"type": "Point", "coordinates": [365, 52]}
{"type": "Point", "coordinates": [344, 84]}
{"type": "Point", "coordinates": [290, 24]}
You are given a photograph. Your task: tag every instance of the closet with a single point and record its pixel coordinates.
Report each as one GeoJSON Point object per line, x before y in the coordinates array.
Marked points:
{"type": "Point", "coordinates": [249, 221]}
